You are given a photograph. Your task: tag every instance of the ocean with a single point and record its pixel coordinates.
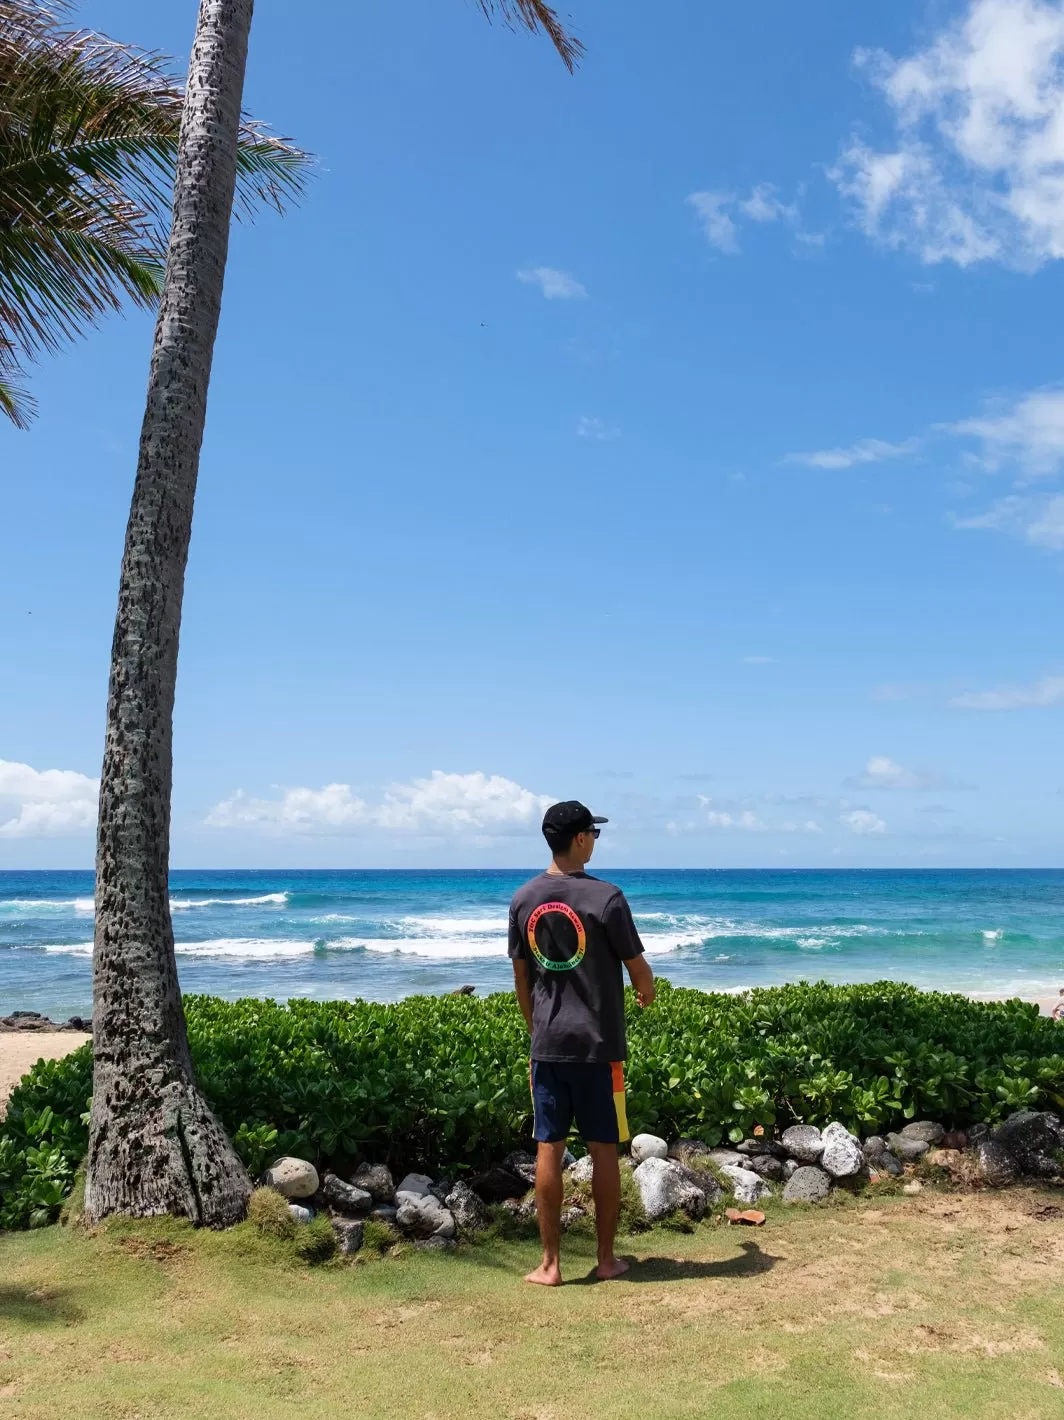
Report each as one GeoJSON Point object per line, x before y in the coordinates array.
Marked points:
{"type": "Point", "coordinates": [385, 935]}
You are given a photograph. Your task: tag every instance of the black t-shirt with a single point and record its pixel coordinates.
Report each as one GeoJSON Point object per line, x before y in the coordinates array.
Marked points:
{"type": "Point", "coordinates": [574, 931]}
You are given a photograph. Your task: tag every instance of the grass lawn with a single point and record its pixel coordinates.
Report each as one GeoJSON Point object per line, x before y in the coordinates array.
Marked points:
{"type": "Point", "coordinates": [940, 1304]}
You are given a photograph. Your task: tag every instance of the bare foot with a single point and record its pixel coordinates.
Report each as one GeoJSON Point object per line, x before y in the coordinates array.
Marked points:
{"type": "Point", "coordinates": [606, 1271]}
{"type": "Point", "coordinates": [546, 1275]}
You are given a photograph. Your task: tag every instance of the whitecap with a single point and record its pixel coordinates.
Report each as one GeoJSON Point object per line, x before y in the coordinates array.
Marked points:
{"type": "Point", "coordinates": [273, 899]}
{"type": "Point", "coordinates": [441, 950]}
{"type": "Point", "coordinates": [993, 936]}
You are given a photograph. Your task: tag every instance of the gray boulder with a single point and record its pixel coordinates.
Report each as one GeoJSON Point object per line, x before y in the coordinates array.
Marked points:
{"type": "Point", "coordinates": [790, 1168]}
{"type": "Point", "coordinates": [1035, 1139]}
{"type": "Point", "coordinates": [925, 1129]}
{"type": "Point", "coordinates": [880, 1157]}
{"type": "Point", "coordinates": [700, 1179]}
{"type": "Point", "coordinates": [997, 1164]}
{"type": "Point", "coordinates": [910, 1151]}
{"type": "Point", "coordinates": [720, 1157]}
{"type": "Point", "coordinates": [497, 1184]}
{"type": "Point", "coordinates": [377, 1180]}
{"type": "Point", "coordinates": [841, 1156]}
{"type": "Point", "coordinates": [299, 1213]}
{"type": "Point", "coordinates": [294, 1178]}
{"type": "Point", "coordinates": [423, 1217]}
{"type": "Point", "coordinates": [348, 1235]}
{"type": "Point", "coordinates": [751, 1147]}
{"type": "Point", "coordinates": [415, 1185]}
{"type": "Point", "coordinates": [664, 1189]}
{"type": "Point", "coordinates": [581, 1170]}
{"type": "Point", "coordinates": [385, 1212]}
{"type": "Point", "coordinates": [648, 1146]}
{"type": "Point", "coordinates": [684, 1150]}
{"type": "Point", "coordinates": [469, 1212]}
{"type": "Point", "coordinates": [746, 1186]}
{"type": "Point", "coordinates": [804, 1142]}
{"type": "Point", "coordinates": [438, 1242]}
{"type": "Point", "coordinates": [345, 1196]}
{"type": "Point", "coordinates": [571, 1215]}
{"type": "Point", "coordinates": [522, 1164]}
{"type": "Point", "coordinates": [807, 1184]}
{"type": "Point", "coordinates": [977, 1133]}
{"type": "Point", "coordinates": [767, 1165]}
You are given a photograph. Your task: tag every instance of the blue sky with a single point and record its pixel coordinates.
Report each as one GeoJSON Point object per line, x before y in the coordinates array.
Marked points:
{"type": "Point", "coordinates": [684, 435]}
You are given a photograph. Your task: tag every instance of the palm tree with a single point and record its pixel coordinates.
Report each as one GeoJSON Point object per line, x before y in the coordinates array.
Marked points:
{"type": "Point", "coordinates": [88, 142]}
{"type": "Point", "coordinates": [154, 1146]}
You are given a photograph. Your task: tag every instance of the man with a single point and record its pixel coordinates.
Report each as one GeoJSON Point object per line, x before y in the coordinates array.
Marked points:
{"type": "Point", "coordinates": [569, 934]}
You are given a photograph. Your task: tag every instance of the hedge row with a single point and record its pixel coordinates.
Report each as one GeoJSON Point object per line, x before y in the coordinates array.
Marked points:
{"type": "Point", "coordinates": [434, 1081]}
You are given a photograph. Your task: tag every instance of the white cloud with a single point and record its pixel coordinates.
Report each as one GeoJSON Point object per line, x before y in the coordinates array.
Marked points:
{"type": "Point", "coordinates": [1029, 433]}
{"type": "Point", "coordinates": [1039, 521]}
{"type": "Point", "coordinates": [1048, 691]}
{"type": "Point", "coordinates": [883, 773]}
{"type": "Point", "coordinates": [864, 451]}
{"type": "Point", "coordinates": [764, 206]}
{"type": "Point", "coordinates": [556, 285]}
{"type": "Point", "coordinates": [589, 428]}
{"type": "Point", "coordinates": [746, 821]}
{"type": "Point", "coordinates": [720, 231]}
{"type": "Point", "coordinates": [973, 172]}
{"type": "Point", "coordinates": [863, 822]}
{"type": "Point", "coordinates": [48, 803]}
{"type": "Point", "coordinates": [442, 803]}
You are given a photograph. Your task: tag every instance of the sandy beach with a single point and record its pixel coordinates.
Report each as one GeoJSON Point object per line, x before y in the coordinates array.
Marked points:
{"type": "Point", "coordinates": [20, 1051]}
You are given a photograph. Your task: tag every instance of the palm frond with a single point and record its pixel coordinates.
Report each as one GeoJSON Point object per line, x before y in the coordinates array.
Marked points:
{"type": "Point", "coordinates": [536, 15]}
{"type": "Point", "coordinates": [89, 133]}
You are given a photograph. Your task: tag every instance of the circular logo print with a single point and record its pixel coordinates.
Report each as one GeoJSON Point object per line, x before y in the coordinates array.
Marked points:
{"type": "Point", "coordinates": [565, 940]}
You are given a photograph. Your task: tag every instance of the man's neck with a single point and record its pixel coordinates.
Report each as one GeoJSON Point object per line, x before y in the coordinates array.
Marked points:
{"type": "Point", "coordinates": [563, 866]}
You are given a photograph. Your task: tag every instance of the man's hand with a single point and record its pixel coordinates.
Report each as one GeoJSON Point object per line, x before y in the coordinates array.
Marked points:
{"type": "Point", "coordinates": [643, 980]}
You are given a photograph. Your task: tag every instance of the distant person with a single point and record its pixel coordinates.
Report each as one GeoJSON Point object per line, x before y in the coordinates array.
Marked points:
{"type": "Point", "coordinates": [568, 935]}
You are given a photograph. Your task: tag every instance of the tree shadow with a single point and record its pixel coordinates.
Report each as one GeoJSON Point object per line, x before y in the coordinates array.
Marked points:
{"type": "Point", "coordinates": [37, 1308]}
{"type": "Point", "coordinates": [750, 1262]}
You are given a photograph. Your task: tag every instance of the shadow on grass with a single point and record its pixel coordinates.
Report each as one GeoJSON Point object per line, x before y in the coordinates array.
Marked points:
{"type": "Point", "coordinates": [36, 1308]}
{"type": "Point", "coordinates": [751, 1262]}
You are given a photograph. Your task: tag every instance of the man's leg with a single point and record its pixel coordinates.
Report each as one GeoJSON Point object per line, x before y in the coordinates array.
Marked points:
{"type": "Point", "coordinates": [606, 1191]}
{"type": "Point", "coordinates": [549, 1211]}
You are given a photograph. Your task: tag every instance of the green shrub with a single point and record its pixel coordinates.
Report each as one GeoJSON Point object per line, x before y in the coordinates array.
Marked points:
{"type": "Point", "coordinates": [315, 1241]}
{"type": "Point", "coordinates": [432, 1082]}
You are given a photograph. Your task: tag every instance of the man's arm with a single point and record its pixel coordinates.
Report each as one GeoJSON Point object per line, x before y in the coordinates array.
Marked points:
{"type": "Point", "coordinates": [642, 979]}
{"type": "Point", "coordinates": [524, 990]}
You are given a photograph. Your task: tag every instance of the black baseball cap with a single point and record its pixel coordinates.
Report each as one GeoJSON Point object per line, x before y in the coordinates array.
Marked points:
{"type": "Point", "coordinates": [567, 819]}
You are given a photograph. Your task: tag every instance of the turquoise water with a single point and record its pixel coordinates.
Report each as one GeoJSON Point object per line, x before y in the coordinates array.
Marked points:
{"type": "Point", "coordinates": [384, 935]}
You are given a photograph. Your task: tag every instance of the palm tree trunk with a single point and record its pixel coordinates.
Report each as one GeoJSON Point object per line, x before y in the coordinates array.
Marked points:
{"type": "Point", "coordinates": [154, 1145]}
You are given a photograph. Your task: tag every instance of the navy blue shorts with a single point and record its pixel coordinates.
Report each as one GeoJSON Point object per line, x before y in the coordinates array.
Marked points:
{"type": "Point", "coordinates": [593, 1095]}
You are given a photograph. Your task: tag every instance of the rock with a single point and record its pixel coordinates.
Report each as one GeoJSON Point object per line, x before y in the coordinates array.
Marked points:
{"type": "Point", "coordinates": [997, 1164]}
{"type": "Point", "coordinates": [496, 1184]}
{"type": "Point", "coordinates": [767, 1165]}
{"type": "Point", "coordinates": [705, 1182]}
{"type": "Point", "coordinates": [924, 1129]}
{"type": "Point", "coordinates": [436, 1243]}
{"type": "Point", "coordinates": [954, 1139]}
{"type": "Point", "coordinates": [424, 1216]}
{"type": "Point", "coordinates": [568, 1159]}
{"type": "Point", "coordinates": [978, 1132]}
{"type": "Point", "coordinates": [790, 1168]}
{"type": "Point", "coordinates": [581, 1170]}
{"type": "Point", "coordinates": [841, 1156]}
{"type": "Point", "coordinates": [464, 991]}
{"type": "Point", "coordinates": [720, 1157]}
{"type": "Point", "coordinates": [910, 1151]}
{"type": "Point", "coordinates": [345, 1196]}
{"type": "Point", "coordinates": [804, 1142]}
{"type": "Point", "coordinates": [807, 1184]}
{"type": "Point", "coordinates": [348, 1235]}
{"type": "Point", "coordinates": [1035, 1139]}
{"type": "Point", "coordinates": [294, 1178]}
{"type": "Point", "coordinates": [684, 1150]}
{"type": "Point", "coordinates": [468, 1211]}
{"type": "Point", "coordinates": [385, 1212]}
{"type": "Point", "coordinates": [417, 1185]}
{"type": "Point", "coordinates": [746, 1186]}
{"type": "Point", "coordinates": [526, 1211]}
{"type": "Point", "coordinates": [377, 1180]}
{"type": "Point", "coordinates": [572, 1215]}
{"type": "Point", "coordinates": [648, 1146]}
{"type": "Point", "coordinates": [760, 1145]}
{"type": "Point", "coordinates": [522, 1164]}
{"type": "Point", "coordinates": [79, 1023]}
{"type": "Point", "coordinates": [299, 1213]}
{"type": "Point", "coordinates": [913, 1186]}
{"type": "Point", "coordinates": [952, 1160]}
{"type": "Point", "coordinates": [664, 1189]}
